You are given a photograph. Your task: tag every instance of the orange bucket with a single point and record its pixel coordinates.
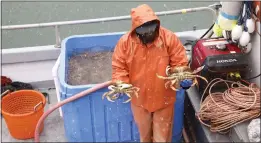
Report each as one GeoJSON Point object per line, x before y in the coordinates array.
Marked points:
{"type": "Point", "coordinates": [21, 110]}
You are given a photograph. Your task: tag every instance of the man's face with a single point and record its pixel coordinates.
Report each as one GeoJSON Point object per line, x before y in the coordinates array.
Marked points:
{"type": "Point", "coordinates": [147, 32]}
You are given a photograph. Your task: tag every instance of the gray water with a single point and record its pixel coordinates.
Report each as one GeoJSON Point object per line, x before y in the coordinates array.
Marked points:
{"type": "Point", "coordinates": [14, 13]}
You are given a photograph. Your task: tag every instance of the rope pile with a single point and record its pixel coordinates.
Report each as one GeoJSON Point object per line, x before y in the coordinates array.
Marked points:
{"type": "Point", "coordinates": [222, 110]}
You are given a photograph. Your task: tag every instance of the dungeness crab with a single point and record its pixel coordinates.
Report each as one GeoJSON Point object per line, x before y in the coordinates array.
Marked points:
{"type": "Point", "coordinates": [118, 89]}
{"type": "Point", "coordinates": [176, 77]}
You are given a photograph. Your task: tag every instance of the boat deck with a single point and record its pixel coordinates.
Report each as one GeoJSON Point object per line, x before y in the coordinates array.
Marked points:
{"type": "Point", "coordinates": [54, 128]}
{"type": "Point", "coordinates": [53, 125]}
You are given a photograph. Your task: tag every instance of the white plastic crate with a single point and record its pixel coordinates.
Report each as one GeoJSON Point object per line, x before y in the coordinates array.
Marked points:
{"type": "Point", "coordinates": [56, 82]}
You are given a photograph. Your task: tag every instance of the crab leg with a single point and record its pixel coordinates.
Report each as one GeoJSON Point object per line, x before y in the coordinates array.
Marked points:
{"type": "Point", "coordinates": [135, 93]}
{"type": "Point", "coordinates": [173, 82]}
{"type": "Point", "coordinates": [178, 83]}
{"type": "Point", "coordinates": [109, 99]}
{"type": "Point", "coordinates": [198, 70]}
{"type": "Point", "coordinates": [107, 94]}
{"type": "Point", "coordinates": [167, 83]}
{"type": "Point", "coordinates": [202, 78]}
{"type": "Point", "coordinates": [116, 96]}
{"type": "Point", "coordinates": [136, 89]}
{"type": "Point", "coordinates": [162, 77]}
{"type": "Point", "coordinates": [195, 82]}
{"type": "Point", "coordinates": [173, 88]}
{"type": "Point", "coordinates": [184, 73]}
{"type": "Point", "coordinates": [193, 76]}
{"type": "Point", "coordinates": [128, 99]}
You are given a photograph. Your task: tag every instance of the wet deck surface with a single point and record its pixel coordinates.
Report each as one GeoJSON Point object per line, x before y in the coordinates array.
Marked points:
{"type": "Point", "coordinates": [53, 126]}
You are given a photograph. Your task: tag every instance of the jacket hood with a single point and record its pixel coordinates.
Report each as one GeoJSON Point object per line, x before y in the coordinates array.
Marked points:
{"type": "Point", "coordinates": [142, 14]}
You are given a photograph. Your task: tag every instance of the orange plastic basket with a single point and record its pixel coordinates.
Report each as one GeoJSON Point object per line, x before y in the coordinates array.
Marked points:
{"type": "Point", "coordinates": [21, 110]}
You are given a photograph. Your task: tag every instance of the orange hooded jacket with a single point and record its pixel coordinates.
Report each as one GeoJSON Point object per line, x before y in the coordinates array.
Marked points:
{"type": "Point", "coordinates": [137, 64]}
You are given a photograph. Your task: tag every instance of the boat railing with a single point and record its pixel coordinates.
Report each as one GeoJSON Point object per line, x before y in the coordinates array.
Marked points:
{"type": "Point", "coordinates": [211, 8]}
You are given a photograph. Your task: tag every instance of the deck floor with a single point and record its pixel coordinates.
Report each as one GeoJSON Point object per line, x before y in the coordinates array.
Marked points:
{"type": "Point", "coordinates": [53, 126]}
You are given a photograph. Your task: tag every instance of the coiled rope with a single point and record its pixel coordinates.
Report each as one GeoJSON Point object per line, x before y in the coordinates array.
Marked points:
{"type": "Point", "coordinates": [222, 110]}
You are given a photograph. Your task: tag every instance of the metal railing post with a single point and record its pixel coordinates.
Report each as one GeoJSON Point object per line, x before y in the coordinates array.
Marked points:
{"type": "Point", "coordinates": [57, 37]}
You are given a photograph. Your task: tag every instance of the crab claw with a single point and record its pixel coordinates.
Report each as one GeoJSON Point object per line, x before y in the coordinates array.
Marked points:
{"type": "Point", "coordinates": [167, 70]}
{"type": "Point", "coordinates": [124, 86]}
{"type": "Point", "coordinates": [111, 87]}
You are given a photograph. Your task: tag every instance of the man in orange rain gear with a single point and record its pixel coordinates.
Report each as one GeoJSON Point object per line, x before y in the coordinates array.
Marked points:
{"type": "Point", "coordinates": [145, 50]}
